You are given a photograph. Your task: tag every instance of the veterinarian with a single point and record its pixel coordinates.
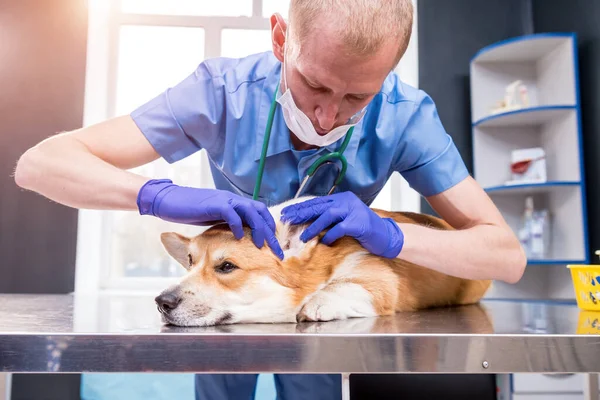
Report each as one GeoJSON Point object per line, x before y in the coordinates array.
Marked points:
{"type": "Point", "coordinates": [328, 85]}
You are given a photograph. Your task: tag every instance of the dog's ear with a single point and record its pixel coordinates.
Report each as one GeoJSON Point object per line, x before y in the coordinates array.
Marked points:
{"type": "Point", "coordinates": [178, 246]}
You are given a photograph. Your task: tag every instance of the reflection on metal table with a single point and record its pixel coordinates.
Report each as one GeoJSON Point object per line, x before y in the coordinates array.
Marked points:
{"type": "Point", "coordinates": [123, 333]}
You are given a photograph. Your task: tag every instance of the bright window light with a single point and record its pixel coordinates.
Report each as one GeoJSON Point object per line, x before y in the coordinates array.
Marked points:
{"type": "Point", "coordinates": [242, 42]}
{"type": "Point", "coordinates": [152, 59]}
{"type": "Point", "coordinates": [231, 8]}
{"type": "Point", "coordinates": [271, 7]}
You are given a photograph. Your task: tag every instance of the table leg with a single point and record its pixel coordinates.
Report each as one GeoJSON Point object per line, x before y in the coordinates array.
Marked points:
{"type": "Point", "coordinates": [5, 380]}
{"type": "Point", "coordinates": [345, 386]}
{"type": "Point", "coordinates": [590, 388]}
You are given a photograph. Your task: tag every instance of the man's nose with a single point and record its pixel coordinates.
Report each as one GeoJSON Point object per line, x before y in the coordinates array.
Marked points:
{"type": "Point", "coordinates": [167, 302]}
{"type": "Point", "coordinates": [326, 115]}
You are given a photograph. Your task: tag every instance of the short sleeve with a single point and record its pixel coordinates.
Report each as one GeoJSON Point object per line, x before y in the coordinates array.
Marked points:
{"type": "Point", "coordinates": [427, 156]}
{"type": "Point", "coordinates": [185, 118]}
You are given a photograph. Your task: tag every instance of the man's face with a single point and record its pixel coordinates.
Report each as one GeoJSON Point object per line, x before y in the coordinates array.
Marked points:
{"type": "Point", "coordinates": [328, 84]}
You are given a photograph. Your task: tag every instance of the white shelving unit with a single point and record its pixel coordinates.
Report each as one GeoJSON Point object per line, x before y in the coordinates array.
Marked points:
{"type": "Point", "coordinates": [547, 65]}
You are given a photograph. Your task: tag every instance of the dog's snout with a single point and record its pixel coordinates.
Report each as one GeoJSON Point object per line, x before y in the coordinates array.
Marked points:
{"type": "Point", "coordinates": [167, 301]}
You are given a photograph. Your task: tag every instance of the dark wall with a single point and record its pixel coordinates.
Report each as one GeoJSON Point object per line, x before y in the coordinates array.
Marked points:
{"type": "Point", "coordinates": [42, 77]}
{"type": "Point", "coordinates": [42, 83]}
{"type": "Point", "coordinates": [583, 18]}
{"type": "Point", "coordinates": [46, 387]}
{"type": "Point", "coordinates": [450, 33]}
{"type": "Point", "coordinates": [423, 386]}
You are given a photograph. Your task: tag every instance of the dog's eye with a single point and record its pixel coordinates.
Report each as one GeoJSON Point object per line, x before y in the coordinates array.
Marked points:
{"type": "Point", "coordinates": [190, 261]}
{"type": "Point", "coordinates": [226, 267]}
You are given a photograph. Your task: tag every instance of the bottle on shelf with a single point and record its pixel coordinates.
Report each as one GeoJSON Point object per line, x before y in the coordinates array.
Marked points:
{"type": "Point", "coordinates": [534, 233]}
{"type": "Point", "coordinates": [525, 230]}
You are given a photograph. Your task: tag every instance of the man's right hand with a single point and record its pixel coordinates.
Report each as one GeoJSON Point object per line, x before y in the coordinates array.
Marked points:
{"type": "Point", "coordinates": [170, 202]}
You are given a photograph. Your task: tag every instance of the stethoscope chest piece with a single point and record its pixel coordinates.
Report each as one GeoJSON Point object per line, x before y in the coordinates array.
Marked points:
{"type": "Point", "coordinates": [328, 159]}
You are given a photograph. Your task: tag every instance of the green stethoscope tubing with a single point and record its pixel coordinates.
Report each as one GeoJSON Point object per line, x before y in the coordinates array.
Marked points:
{"type": "Point", "coordinates": [339, 155]}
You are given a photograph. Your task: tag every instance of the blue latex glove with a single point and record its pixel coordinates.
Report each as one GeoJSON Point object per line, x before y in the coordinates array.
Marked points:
{"type": "Point", "coordinates": [186, 205]}
{"type": "Point", "coordinates": [347, 215]}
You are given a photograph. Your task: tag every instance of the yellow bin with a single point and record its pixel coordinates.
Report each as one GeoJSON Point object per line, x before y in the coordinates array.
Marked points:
{"type": "Point", "coordinates": [586, 284]}
{"type": "Point", "coordinates": [588, 323]}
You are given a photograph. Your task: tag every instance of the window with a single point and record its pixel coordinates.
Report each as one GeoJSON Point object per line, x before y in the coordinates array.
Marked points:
{"type": "Point", "coordinates": [152, 58]}
{"type": "Point", "coordinates": [137, 49]}
{"type": "Point", "coordinates": [233, 8]}
{"type": "Point", "coordinates": [270, 7]}
{"type": "Point", "coordinates": [242, 42]}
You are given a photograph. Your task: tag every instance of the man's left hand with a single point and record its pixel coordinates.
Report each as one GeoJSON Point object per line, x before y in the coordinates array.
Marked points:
{"type": "Point", "coordinates": [347, 215]}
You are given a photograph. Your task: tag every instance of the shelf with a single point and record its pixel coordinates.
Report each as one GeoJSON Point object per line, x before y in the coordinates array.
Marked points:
{"type": "Point", "coordinates": [555, 262]}
{"type": "Point", "coordinates": [493, 147]}
{"type": "Point", "coordinates": [522, 49]}
{"type": "Point", "coordinates": [547, 65]}
{"type": "Point", "coordinates": [543, 63]}
{"type": "Point", "coordinates": [563, 200]}
{"type": "Point", "coordinates": [530, 187]}
{"type": "Point", "coordinates": [532, 116]}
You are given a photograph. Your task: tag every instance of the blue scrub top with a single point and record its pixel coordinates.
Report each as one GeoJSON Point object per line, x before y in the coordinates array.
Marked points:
{"type": "Point", "coordinates": [223, 108]}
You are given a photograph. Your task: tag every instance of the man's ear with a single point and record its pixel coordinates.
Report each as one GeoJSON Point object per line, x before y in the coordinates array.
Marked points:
{"type": "Point", "coordinates": [178, 247]}
{"type": "Point", "coordinates": [278, 29]}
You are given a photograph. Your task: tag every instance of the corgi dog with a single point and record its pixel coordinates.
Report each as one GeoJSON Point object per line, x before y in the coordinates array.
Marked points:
{"type": "Point", "coordinates": [231, 281]}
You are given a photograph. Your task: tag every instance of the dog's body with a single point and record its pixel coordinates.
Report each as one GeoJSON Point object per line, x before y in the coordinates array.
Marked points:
{"type": "Point", "coordinates": [232, 281]}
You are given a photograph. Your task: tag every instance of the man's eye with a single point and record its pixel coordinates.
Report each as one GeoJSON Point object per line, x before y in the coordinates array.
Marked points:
{"type": "Point", "coordinates": [314, 87]}
{"type": "Point", "coordinates": [225, 267]}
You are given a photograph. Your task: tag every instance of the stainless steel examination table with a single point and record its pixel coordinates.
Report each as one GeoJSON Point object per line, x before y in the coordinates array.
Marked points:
{"type": "Point", "coordinates": [123, 333]}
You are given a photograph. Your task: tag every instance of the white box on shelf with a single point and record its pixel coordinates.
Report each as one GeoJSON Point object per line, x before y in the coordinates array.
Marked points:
{"type": "Point", "coordinates": [528, 166]}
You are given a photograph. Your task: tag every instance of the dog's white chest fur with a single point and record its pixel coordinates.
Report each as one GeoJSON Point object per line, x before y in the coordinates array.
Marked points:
{"type": "Point", "coordinates": [289, 235]}
{"type": "Point", "coordinates": [335, 299]}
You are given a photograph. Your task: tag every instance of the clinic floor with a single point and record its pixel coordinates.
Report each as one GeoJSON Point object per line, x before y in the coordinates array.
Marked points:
{"type": "Point", "coordinates": [154, 387]}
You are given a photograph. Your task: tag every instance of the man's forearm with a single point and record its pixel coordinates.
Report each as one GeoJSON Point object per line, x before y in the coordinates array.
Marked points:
{"type": "Point", "coordinates": [480, 252]}
{"type": "Point", "coordinates": [67, 173]}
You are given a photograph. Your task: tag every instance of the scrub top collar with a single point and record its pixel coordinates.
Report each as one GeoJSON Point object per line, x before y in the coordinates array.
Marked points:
{"type": "Point", "coordinates": [280, 141]}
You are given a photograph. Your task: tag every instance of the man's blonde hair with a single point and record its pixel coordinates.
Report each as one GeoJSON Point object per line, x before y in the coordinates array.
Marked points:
{"type": "Point", "coordinates": [363, 25]}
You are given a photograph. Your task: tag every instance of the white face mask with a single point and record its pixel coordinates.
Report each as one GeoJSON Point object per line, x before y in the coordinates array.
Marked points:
{"type": "Point", "coordinates": [300, 124]}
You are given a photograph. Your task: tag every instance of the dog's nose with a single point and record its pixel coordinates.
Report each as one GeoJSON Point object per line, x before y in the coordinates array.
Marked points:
{"type": "Point", "coordinates": [167, 302]}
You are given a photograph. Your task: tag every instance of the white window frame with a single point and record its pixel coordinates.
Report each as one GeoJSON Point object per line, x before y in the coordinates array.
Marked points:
{"type": "Point", "coordinates": [105, 19]}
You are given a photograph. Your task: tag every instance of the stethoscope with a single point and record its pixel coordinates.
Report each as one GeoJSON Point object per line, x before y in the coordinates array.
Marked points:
{"type": "Point", "coordinates": [325, 159]}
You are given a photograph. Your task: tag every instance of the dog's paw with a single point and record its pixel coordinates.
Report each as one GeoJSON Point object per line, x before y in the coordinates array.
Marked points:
{"type": "Point", "coordinates": [337, 302]}
{"type": "Point", "coordinates": [314, 311]}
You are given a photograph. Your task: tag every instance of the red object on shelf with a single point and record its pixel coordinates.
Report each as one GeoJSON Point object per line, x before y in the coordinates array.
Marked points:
{"type": "Point", "coordinates": [521, 167]}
